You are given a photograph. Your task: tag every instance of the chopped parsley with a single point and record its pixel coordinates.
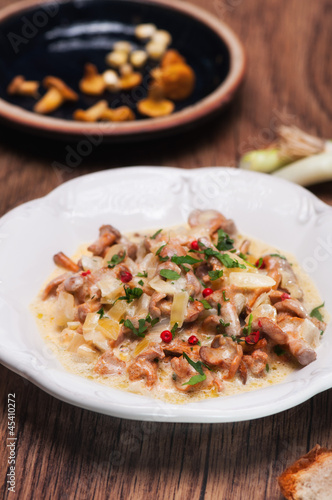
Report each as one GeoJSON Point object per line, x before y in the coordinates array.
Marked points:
{"type": "Point", "coordinates": [215, 275]}
{"type": "Point", "coordinates": [198, 367]}
{"type": "Point", "coordinates": [141, 282]}
{"type": "Point", "coordinates": [315, 313]}
{"type": "Point", "coordinates": [175, 327]}
{"type": "Point", "coordinates": [115, 260]}
{"type": "Point", "coordinates": [224, 296]}
{"type": "Point", "coordinates": [279, 350]}
{"type": "Point", "coordinates": [141, 327]}
{"type": "Point", "coordinates": [247, 329]}
{"type": "Point", "coordinates": [163, 259]}
{"type": "Point", "coordinates": [144, 274]}
{"type": "Point", "coordinates": [224, 258]}
{"type": "Point", "coordinates": [185, 259]}
{"type": "Point", "coordinates": [278, 255]}
{"type": "Point", "coordinates": [152, 321]}
{"type": "Point", "coordinates": [205, 304]}
{"type": "Point", "coordinates": [222, 322]}
{"type": "Point", "coordinates": [101, 312]}
{"type": "Point", "coordinates": [219, 308]}
{"type": "Point", "coordinates": [131, 294]}
{"type": "Point", "coordinates": [154, 236]}
{"type": "Point", "coordinates": [267, 367]}
{"type": "Point", "coordinates": [259, 263]}
{"type": "Point", "coordinates": [191, 299]}
{"type": "Point", "coordinates": [224, 241]}
{"type": "Point", "coordinates": [169, 274]}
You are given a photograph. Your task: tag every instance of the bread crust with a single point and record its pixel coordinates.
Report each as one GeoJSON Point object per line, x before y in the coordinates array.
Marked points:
{"type": "Point", "coordinates": [288, 479]}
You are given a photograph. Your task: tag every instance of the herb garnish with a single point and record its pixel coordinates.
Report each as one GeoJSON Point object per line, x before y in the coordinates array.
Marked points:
{"type": "Point", "coordinates": [154, 236]}
{"type": "Point", "coordinates": [141, 282]}
{"type": "Point", "coordinates": [152, 321]}
{"type": "Point", "coordinates": [131, 294]}
{"type": "Point", "coordinates": [259, 263]}
{"type": "Point", "coordinates": [315, 313]}
{"type": "Point", "coordinates": [247, 329]}
{"type": "Point", "coordinates": [169, 274]}
{"type": "Point", "coordinates": [219, 308]}
{"type": "Point", "coordinates": [279, 350]}
{"type": "Point", "coordinates": [214, 275]}
{"type": "Point", "coordinates": [224, 241]}
{"type": "Point", "coordinates": [144, 274]}
{"type": "Point", "coordinates": [101, 312]}
{"type": "Point", "coordinates": [198, 367]}
{"type": "Point", "coordinates": [222, 322]}
{"type": "Point", "coordinates": [173, 330]}
{"type": "Point", "coordinates": [141, 327]}
{"type": "Point", "coordinates": [224, 296]}
{"type": "Point", "coordinates": [267, 368]}
{"type": "Point", "coordinates": [115, 260]}
{"type": "Point", "coordinates": [205, 304]}
{"type": "Point", "coordinates": [278, 255]}
{"type": "Point", "coordinates": [224, 258]}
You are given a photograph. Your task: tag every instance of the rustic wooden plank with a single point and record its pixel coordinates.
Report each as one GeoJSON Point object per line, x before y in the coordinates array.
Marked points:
{"type": "Point", "coordinates": [65, 452]}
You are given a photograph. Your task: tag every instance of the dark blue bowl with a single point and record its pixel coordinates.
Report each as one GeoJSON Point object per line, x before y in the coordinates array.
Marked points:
{"type": "Point", "coordinates": [59, 38]}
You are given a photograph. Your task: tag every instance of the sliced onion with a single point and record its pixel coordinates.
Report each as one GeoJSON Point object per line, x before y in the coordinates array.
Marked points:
{"type": "Point", "coordinates": [92, 335]}
{"type": "Point", "coordinates": [310, 333]}
{"type": "Point", "coordinates": [264, 311]}
{"type": "Point", "coordinates": [142, 306]}
{"type": "Point", "coordinates": [179, 308]}
{"type": "Point", "coordinates": [162, 286]}
{"type": "Point", "coordinates": [114, 250]}
{"type": "Point", "coordinates": [118, 310]}
{"type": "Point", "coordinates": [251, 281]}
{"type": "Point", "coordinates": [143, 344]}
{"type": "Point", "coordinates": [64, 309]}
{"type": "Point", "coordinates": [85, 354]}
{"type": "Point", "coordinates": [91, 263]}
{"type": "Point", "coordinates": [110, 288]}
{"type": "Point", "coordinates": [109, 328]}
{"type": "Point", "coordinates": [77, 340]}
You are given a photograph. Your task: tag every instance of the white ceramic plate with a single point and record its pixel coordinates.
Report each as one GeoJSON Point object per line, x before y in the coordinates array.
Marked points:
{"type": "Point", "coordinates": [282, 214]}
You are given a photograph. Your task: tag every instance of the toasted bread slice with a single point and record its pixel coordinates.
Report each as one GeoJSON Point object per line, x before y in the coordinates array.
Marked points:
{"type": "Point", "coordinates": [310, 477]}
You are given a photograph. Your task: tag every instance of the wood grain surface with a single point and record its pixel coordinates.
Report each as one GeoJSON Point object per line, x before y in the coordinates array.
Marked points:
{"type": "Point", "coordinates": [64, 452]}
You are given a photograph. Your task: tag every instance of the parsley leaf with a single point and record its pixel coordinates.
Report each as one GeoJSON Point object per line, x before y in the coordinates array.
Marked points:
{"type": "Point", "coordinates": [278, 255]}
{"type": "Point", "coordinates": [160, 248]}
{"type": "Point", "coordinates": [224, 296]}
{"type": "Point", "coordinates": [144, 274]}
{"type": "Point", "coordinates": [219, 308]}
{"type": "Point", "coordinates": [141, 327]}
{"type": "Point", "coordinates": [141, 282]}
{"type": "Point", "coordinates": [224, 258]}
{"type": "Point", "coordinates": [154, 236]}
{"type": "Point", "coordinates": [247, 329]}
{"type": "Point", "coordinates": [175, 327]}
{"type": "Point", "coordinates": [315, 313]}
{"type": "Point", "coordinates": [115, 260]}
{"type": "Point", "coordinates": [131, 294]}
{"type": "Point", "coordinates": [222, 322]}
{"type": "Point", "coordinates": [267, 367]}
{"type": "Point", "coordinates": [152, 321]}
{"type": "Point", "coordinates": [101, 313]}
{"type": "Point", "coordinates": [279, 350]}
{"type": "Point", "coordinates": [198, 367]}
{"type": "Point", "coordinates": [185, 259]}
{"type": "Point", "coordinates": [169, 274]}
{"type": "Point", "coordinates": [205, 304]}
{"type": "Point", "coordinates": [224, 241]}
{"type": "Point", "coordinates": [214, 275]}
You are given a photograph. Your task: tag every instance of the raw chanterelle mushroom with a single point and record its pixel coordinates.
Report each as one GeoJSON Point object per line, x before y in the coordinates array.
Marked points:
{"type": "Point", "coordinates": [20, 86]}
{"type": "Point", "coordinates": [58, 93]}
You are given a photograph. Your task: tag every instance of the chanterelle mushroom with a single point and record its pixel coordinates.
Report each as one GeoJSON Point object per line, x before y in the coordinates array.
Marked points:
{"type": "Point", "coordinates": [91, 114]}
{"type": "Point", "coordinates": [20, 86]}
{"type": "Point", "coordinates": [92, 82]}
{"type": "Point", "coordinates": [58, 93]}
{"type": "Point", "coordinates": [155, 104]}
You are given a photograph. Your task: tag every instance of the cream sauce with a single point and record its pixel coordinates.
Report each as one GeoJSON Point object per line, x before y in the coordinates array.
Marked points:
{"type": "Point", "coordinates": [164, 389]}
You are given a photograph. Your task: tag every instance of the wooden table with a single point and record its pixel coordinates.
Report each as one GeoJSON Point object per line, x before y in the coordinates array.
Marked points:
{"type": "Point", "coordinates": [65, 452]}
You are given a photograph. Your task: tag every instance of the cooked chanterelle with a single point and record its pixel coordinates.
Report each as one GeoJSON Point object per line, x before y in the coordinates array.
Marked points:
{"type": "Point", "coordinates": [181, 314]}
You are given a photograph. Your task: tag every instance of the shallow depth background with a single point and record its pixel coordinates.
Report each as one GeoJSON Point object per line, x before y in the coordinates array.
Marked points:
{"type": "Point", "coordinates": [64, 452]}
